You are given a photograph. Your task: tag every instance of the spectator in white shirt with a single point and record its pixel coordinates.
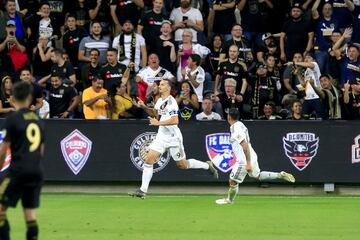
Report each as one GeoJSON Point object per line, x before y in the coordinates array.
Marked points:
{"type": "Point", "coordinates": [195, 74]}
{"type": "Point", "coordinates": [207, 114]}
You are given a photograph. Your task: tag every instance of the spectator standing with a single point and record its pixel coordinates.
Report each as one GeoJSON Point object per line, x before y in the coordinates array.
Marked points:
{"type": "Point", "coordinates": [37, 97]}
{"type": "Point", "coordinates": [95, 40]}
{"type": "Point", "coordinates": [221, 18]}
{"type": "Point", "coordinates": [124, 10]}
{"type": "Point", "coordinates": [10, 13]}
{"type": "Point", "coordinates": [352, 99]}
{"type": "Point", "coordinates": [96, 102]}
{"type": "Point", "coordinates": [92, 69]}
{"type": "Point", "coordinates": [130, 46]}
{"type": "Point", "coordinates": [188, 18]}
{"type": "Point", "coordinates": [187, 101]}
{"type": "Point", "coordinates": [99, 11]}
{"type": "Point", "coordinates": [42, 57]}
{"type": "Point", "coordinates": [195, 75]}
{"type": "Point", "coordinates": [207, 114]}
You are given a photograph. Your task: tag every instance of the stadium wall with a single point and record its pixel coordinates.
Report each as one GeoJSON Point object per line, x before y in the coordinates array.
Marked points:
{"type": "Point", "coordinates": [314, 151]}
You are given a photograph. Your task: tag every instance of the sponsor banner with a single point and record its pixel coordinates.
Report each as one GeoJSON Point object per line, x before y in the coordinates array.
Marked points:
{"type": "Point", "coordinates": [219, 151]}
{"type": "Point", "coordinates": [76, 149]}
{"type": "Point", "coordinates": [140, 147]}
{"type": "Point", "coordinates": [300, 148]}
{"type": "Point", "coordinates": [355, 150]}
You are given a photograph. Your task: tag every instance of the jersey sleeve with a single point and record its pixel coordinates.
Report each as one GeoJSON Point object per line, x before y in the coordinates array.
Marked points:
{"type": "Point", "coordinates": [173, 107]}
{"type": "Point", "coordinates": [237, 133]}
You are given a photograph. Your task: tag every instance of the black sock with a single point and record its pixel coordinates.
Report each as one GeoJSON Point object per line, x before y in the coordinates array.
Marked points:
{"type": "Point", "coordinates": [32, 230]}
{"type": "Point", "coordinates": [4, 228]}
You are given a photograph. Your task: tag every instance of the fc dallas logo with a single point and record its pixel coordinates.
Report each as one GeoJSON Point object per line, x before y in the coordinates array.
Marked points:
{"type": "Point", "coordinates": [76, 149]}
{"type": "Point", "coordinates": [300, 148]}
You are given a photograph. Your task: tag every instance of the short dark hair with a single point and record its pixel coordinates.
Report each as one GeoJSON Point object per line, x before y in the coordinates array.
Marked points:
{"type": "Point", "coordinates": [55, 74]}
{"type": "Point", "coordinates": [112, 50]}
{"type": "Point", "coordinates": [95, 79]}
{"type": "Point", "coordinates": [95, 21]}
{"type": "Point", "coordinates": [96, 50]}
{"type": "Point", "coordinates": [25, 69]}
{"type": "Point", "coordinates": [71, 16]}
{"type": "Point", "coordinates": [196, 58]}
{"type": "Point", "coordinates": [58, 52]}
{"type": "Point", "coordinates": [296, 101]}
{"type": "Point", "coordinates": [354, 46]}
{"type": "Point", "coordinates": [169, 82]}
{"type": "Point", "coordinates": [42, 3]}
{"type": "Point", "coordinates": [234, 113]}
{"type": "Point", "coordinates": [21, 91]}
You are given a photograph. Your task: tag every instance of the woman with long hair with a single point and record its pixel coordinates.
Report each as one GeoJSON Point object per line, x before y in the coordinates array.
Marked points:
{"type": "Point", "coordinates": [5, 94]}
{"type": "Point", "coordinates": [187, 101]}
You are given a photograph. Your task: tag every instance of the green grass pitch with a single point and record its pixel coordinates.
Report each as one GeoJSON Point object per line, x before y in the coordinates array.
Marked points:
{"type": "Point", "coordinates": [192, 217]}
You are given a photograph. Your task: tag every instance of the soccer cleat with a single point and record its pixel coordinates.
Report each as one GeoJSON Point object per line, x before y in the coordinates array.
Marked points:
{"type": "Point", "coordinates": [223, 201]}
{"type": "Point", "coordinates": [138, 193]}
{"type": "Point", "coordinates": [287, 177]}
{"type": "Point", "coordinates": [212, 170]}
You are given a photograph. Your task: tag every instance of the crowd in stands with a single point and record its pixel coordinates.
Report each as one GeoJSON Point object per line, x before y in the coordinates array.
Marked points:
{"type": "Point", "coordinates": [97, 59]}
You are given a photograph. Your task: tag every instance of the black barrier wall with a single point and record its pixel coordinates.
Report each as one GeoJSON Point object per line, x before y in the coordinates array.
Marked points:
{"type": "Point", "coordinates": [311, 150]}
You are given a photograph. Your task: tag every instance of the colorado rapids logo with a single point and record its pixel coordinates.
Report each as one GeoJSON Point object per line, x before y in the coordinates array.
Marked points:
{"type": "Point", "coordinates": [76, 148]}
{"type": "Point", "coordinates": [140, 147]}
{"type": "Point", "coordinates": [300, 148]}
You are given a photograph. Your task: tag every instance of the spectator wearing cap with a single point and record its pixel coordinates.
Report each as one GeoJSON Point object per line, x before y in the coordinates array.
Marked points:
{"type": "Point", "coordinates": [187, 18]}
{"type": "Point", "coordinates": [254, 19]}
{"type": "Point", "coordinates": [164, 47]}
{"type": "Point", "coordinates": [352, 99]}
{"type": "Point", "coordinates": [195, 74]}
{"type": "Point", "coordinates": [229, 99]}
{"type": "Point", "coordinates": [312, 102]}
{"type": "Point", "coordinates": [207, 114]}
{"type": "Point", "coordinates": [95, 40]}
{"type": "Point", "coordinates": [131, 47]}
{"type": "Point", "coordinates": [96, 102]}
{"type": "Point", "coordinates": [150, 23]}
{"type": "Point", "coordinates": [221, 18]}
{"type": "Point", "coordinates": [325, 25]}
{"type": "Point", "coordinates": [350, 63]}
{"type": "Point", "coordinates": [269, 111]}
{"type": "Point", "coordinates": [123, 10]}
{"type": "Point", "coordinates": [330, 95]}
{"type": "Point", "coordinates": [16, 17]}
{"type": "Point", "coordinates": [264, 89]}
{"type": "Point", "coordinates": [12, 50]}
{"type": "Point", "coordinates": [296, 34]}
{"type": "Point", "coordinates": [269, 47]}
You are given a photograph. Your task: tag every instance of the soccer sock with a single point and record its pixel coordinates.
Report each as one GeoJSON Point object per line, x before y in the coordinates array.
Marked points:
{"type": "Point", "coordinates": [32, 230]}
{"type": "Point", "coordinates": [196, 164]}
{"type": "Point", "coordinates": [233, 190]}
{"type": "Point", "coordinates": [268, 176]}
{"type": "Point", "coordinates": [148, 170]}
{"type": "Point", "coordinates": [4, 228]}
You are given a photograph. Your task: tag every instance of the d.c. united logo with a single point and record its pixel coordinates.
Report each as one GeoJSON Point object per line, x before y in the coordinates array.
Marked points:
{"type": "Point", "coordinates": [300, 148]}
{"type": "Point", "coordinates": [140, 147]}
{"type": "Point", "coordinates": [7, 161]}
{"type": "Point", "coordinates": [355, 150]}
{"type": "Point", "coordinates": [76, 149]}
{"type": "Point", "coordinates": [219, 150]}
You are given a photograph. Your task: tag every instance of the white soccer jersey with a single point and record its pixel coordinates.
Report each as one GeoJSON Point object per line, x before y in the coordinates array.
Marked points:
{"type": "Point", "coordinates": [314, 74]}
{"type": "Point", "coordinates": [239, 133]}
{"type": "Point", "coordinates": [199, 74]}
{"type": "Point", "coordinates": [149, 76]}
{"type": "Point", "coordinates": [166, 108]}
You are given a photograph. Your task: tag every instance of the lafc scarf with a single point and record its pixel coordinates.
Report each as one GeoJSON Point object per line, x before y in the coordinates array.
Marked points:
{"type": "Point", "coordinates": [122, 47]}
{"type": "Point", "coordinates": [334, 108]}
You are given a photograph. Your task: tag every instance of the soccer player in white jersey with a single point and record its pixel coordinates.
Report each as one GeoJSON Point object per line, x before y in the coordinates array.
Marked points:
{"type": "Point", "coordinates": [168, 138]}
{"type": "Point", "coordinates": [246, 159]}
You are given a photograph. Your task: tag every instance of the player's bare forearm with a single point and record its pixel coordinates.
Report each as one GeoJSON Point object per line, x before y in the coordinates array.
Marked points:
{"type": "Point", "coordinates": [3, 148]}
{"type": "Point", "coordinates": [246, 150]}
{"type": "Point", "coordinates": [174, 120]}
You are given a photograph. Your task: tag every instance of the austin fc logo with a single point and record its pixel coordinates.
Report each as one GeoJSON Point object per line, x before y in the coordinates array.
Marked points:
{"type": "Point", "coordinates": [355, 153]}
{"type": "Point", "coordinates": [76, 149]}
{"type": "Point", "coordinates": [300, 148]}
{"type": "Point", "coordinates": [139, 149]}
{"type": "Point", "coordinates": [219, 150]}
{"type": "Point", "coordinates": [7, 161]}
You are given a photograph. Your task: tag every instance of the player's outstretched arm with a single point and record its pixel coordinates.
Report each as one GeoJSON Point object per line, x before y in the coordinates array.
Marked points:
{"type": "Point", "coordinates": [3, 148]}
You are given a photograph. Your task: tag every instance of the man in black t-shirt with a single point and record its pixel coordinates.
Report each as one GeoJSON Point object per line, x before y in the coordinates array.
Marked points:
{"type": "Point", "coordinates": [352, 99]}
{"type": "Point", "coordinates": [37, 96]}
{"type": "Point", "coordinates": [99, 11]}
{"type": "Point", "coordinates": [24, 132]}
{"type": "Point", "coordinates": [221, 16]}
{"type": "Point", "coordinates": [63, 99]}
{"type": "Point", "coordinates": [113, 72]}
{"type": "Point", "coordinates": [122, 10]}
{"type": "Point", "coordinates": [92, 69]}
{"type": "Point", "coordinates": [296, 35]}
{"type": "Point", "coordinates": [231, 68]}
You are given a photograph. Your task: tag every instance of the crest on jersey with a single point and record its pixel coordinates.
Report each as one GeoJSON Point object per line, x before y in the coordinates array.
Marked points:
{"type": "Point", "coordinates": [219, 150]}
{"type": "Point", "coordinates": [76, 148]}
{"type": "Point", "coordinates": [7, 161]}
{"type": "Point", "coordinates": [300, 148]}
{"type": "Point", "coordinates": [140, 147]}
{"type": "Point", "coordinates": [355, 150]}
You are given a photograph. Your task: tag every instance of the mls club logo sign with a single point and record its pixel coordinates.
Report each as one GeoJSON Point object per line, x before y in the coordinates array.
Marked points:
{"type": "Point", "coordinates": [139, 149]}
{"type": "Point", "coordinates": [220, 152]}
{"type": "Point", "coordinates": [355, 150]}
{"type": "Point", "coordinates": [76, 149]}
{"type": "Point", "coordinates": [300, 148]}
{"type": "Point", "coordinates": [7, 161]}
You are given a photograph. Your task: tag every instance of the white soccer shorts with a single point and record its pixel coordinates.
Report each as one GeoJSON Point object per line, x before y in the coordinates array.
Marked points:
{"type": "Point", "coordinates": [172, 144]}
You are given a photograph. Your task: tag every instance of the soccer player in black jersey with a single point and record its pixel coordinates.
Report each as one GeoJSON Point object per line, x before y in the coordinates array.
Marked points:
{"type": "Point", "coordinates": [23, 133]}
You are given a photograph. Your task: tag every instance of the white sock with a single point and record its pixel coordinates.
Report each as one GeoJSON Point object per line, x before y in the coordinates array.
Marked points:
{"type": "Point", "coordinates": [146, 177]}
{"type": "Point", "coordinates": [268, 176]}
{"type": "Point", "coordinates": [196, 164]}
{"type": "Point", "coordinates": [233, 190]}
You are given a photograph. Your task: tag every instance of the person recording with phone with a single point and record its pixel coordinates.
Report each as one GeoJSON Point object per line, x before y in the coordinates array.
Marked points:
{"type": "Point", "coordinates": [187, 101]}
